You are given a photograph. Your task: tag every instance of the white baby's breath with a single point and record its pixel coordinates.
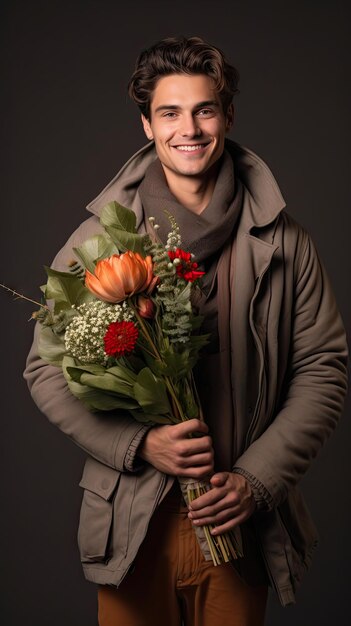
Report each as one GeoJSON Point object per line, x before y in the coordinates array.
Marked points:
{"type": "Point", "coordinates": [84, 337]}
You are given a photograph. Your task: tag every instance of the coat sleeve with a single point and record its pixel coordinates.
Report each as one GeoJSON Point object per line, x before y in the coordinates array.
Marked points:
{"type": "Point", "coordinates": [110, 437]}
{"type": "Point", "coordinates": [315, 388]}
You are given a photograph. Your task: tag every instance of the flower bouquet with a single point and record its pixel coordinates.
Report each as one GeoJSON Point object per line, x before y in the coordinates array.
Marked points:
{"type": "Point", "coordinates": [122, 328]}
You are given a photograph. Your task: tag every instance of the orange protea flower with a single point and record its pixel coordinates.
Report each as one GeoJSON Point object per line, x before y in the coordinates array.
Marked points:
{"type": "Point", "coordinates": [120, 276]}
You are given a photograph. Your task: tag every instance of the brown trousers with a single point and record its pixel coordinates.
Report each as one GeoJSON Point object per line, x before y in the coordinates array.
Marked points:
{"type": "Point", "coordinates": [171, 582]}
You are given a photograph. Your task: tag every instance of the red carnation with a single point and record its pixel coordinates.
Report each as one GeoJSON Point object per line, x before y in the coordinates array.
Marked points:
{"type": "Point", "coordinates": [186, 268]}
{"type": "Point", "coordinates": [120, 338]}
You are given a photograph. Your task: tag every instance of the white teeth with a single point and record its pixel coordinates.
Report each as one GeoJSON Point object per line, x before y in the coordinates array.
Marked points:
{"type": "Point", "coordinates": [190, 148]}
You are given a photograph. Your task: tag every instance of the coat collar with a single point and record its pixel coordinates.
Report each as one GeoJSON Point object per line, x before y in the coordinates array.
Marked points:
{"type": "Point", "coordinates": [264, 200]}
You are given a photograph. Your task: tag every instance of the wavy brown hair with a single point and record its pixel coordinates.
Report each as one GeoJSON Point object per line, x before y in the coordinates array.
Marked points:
{"type": "Point", "coordinates": [181, 55]}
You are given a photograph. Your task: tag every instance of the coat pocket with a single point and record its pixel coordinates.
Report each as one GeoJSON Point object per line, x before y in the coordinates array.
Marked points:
{"type": "Point", "coordinates": [99, 483]}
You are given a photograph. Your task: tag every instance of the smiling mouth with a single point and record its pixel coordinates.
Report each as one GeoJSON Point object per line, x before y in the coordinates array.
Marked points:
{"type": "Point", "coordinates": [191, 148]}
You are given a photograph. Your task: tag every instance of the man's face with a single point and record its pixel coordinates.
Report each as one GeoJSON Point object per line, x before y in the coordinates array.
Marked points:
{"type": "Point", "coordinates": [188, 125]}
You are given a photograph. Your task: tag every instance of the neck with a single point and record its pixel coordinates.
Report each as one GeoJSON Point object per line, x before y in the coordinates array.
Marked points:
{"type": "Point", "coordinates": [194, 193]}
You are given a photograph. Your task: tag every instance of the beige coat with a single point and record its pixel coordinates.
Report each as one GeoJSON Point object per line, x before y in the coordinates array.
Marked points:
{"type": "Point", "coordinates": [286, 377]}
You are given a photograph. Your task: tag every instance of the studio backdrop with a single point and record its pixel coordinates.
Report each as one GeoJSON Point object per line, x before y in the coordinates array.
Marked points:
{"type": "Point", "coordinates": [67, 126]}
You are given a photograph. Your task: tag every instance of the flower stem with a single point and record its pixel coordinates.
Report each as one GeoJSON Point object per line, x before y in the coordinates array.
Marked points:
{"type": "Point", "coordinates": [22, 297]}
{"type": "Point", "coordinates": [177, 408]}
{"type": "Point", "coordinates": [144, 329]}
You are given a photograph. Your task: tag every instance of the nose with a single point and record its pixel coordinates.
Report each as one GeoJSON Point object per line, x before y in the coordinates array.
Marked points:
{"type": "Point", "coordinates": [189, 126]}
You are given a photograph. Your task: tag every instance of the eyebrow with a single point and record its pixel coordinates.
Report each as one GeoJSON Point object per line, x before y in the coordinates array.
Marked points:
{"type": "Point", "coordinates": [176, 107]}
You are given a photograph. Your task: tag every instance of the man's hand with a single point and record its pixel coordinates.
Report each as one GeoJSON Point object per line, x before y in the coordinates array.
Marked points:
{"type": "Point", "coordinates": [229, 503]}
{"type": "Point", "coordinates": [170, 450]}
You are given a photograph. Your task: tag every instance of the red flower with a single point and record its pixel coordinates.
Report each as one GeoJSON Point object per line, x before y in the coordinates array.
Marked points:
{"type": "Point", "coordinates": [186, 268]}
{"type": "Point", "coordinates": [120, 338]}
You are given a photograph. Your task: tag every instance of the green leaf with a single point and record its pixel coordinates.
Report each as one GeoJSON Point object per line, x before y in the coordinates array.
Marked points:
{"type": "Point", "coordinates": [120, 223]}
{"type": "Point", "coordinates": [184, 297]}
{"type": "Point", "coordinates": [114, 214]}
{"type": "Point", "coordinates": [51, 347]}
{"type": "Point", "coordinates": [151, 393]}
{"type": "Point", "coordinates": [108, 382]}
{"type": "Point", "coordinates": [77, 371]}
{"type": "Point", "coordinates": [98, 392]}
{"type": "Point", "coordinates": [94, 249]}
{"type": "Point", "coordinates": [65, 289]}
{"type": "Point", "coordinates": [123, 373]}
{"type": "Point", "coordinates": [190, 407]}
{"type": "Point", "coordinates": [178, 363]}
{"type": "Point", "coordinates": [173, 364]}
{"type": "Point", "coordinates": [96, 400]}
{"type": "Point", "coordinates": [126, 241]}
{"type": "Point", "coordinates": [68, 362]}
{"type": "Point", "coordinates": [104, 382]}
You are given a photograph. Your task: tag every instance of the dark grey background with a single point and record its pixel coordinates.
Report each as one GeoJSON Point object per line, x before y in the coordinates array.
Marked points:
{"type": "Point", "coordinates": [67, 126]}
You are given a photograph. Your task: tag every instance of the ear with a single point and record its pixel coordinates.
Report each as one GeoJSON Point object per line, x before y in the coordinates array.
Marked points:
{"type": "Point", "coordinates": [147, 127]}
{"type": "Point", "coordinates": [229, 118]}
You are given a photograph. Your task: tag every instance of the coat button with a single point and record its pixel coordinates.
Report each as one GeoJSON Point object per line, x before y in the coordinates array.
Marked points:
{"type": "Point", "coordinates": [105, 483]}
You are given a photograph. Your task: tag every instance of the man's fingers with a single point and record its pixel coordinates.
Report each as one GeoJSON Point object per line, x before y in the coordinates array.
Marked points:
{"type": "Point", "coordinates": [171, 450]}
{"type": "Point", "coordinates": [229, 518]}
{"type": "Point", "coordinates": [208, 499]}
{"type": "Point", "coordinates": [221, 517]}
{"type": "Point", "coordinates": [226, 503]}
{"type": "Point", "coordinates": [213, 495]}
{"type": "Point", "coordinates": [219, 479]}
{"type": "Point", "coordinates": [195, 460]}
{"type": "Point", "coordinates": [223, 528]}
{"type": "Point", "coordinates": [188, 427]}
{"type": "Point", "coordinates": [192, 447]}
{"type": "Point", "coordinates": [199, 472]}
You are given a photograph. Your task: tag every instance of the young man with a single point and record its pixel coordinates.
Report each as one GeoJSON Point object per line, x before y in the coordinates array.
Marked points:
{"type": "Point", "coordinates": [271, 381]}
